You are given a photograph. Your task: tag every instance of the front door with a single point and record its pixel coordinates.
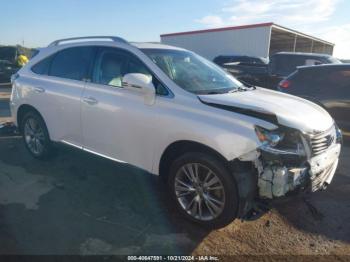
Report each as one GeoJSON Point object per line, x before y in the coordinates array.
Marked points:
{"type": "Point", "coordinates": [116, 122]}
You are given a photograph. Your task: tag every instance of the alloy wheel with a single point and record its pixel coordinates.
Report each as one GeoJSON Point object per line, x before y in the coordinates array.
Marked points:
{"type": "Point", "coordinates": [34, 136]}
{"type": "Point", "coordinates": [199, 191]}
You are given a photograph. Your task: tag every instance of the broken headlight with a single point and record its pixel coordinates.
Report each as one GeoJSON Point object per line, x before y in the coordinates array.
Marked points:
{"type": "Point", "coordinates": [268, 137]}
{"type": "Point", "coordinates": [281, 141]}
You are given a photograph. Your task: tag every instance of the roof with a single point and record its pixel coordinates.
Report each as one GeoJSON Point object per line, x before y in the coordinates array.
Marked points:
{"type": "Point", "coordinates": [82, 40]}
{"type": "Point", "coordinates": [234, 55]}
{"type": "Point", "coordinates": [87, 42]}
{"type": "Point", "coordinates": [315, 67]}
{"type": "Point", "coordinates": [283, 28]}
{"type": "Point", "coordinates": [219, 29]}
{"type": "Point", "coordinates": [302, 54]}
{"type": "Point", "coordinates": [269, 24]}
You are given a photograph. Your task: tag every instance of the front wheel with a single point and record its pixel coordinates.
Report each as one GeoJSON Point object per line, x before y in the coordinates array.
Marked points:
{"type": "Point", "coordinates": [203, 189]}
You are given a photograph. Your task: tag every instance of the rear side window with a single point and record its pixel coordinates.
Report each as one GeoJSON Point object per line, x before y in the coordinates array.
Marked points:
{"type": "Point", "coordinates": [42, 68]}
{"type": "Point", "coordinates": [221, 60]}
{"type": "Point", "coordinates": [284, 64]}
{"type": "Point", "coordinates": [72, 63]}
{"type": "Point", "coordinates": [313, 61]}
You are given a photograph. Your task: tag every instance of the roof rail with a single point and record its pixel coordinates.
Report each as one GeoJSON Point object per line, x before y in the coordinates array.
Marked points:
{"type": "Point", "coordinates": [113, 38]}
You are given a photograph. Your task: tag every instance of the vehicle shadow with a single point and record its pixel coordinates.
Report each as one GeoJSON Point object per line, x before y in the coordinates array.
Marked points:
{"type": "Point", "coordinates": [77, 203]}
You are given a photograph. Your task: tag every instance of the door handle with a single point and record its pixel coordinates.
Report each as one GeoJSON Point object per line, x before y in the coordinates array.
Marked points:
{"type": "Point", "coordinates": [90, 100]}
{"type": "Point", "coordinates": [39, 90]}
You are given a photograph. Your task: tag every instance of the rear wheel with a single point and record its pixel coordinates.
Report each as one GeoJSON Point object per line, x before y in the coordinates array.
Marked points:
{"type": "Point", "coordinates": [203, 189]}
{"type": "Point", "coordinates": [35, 135]}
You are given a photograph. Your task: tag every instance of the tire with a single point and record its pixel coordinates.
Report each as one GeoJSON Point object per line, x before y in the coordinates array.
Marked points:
{"type": "Point", "coordinates": [218, 189]}
{"type": "Point", "coordinates": [35, 136]}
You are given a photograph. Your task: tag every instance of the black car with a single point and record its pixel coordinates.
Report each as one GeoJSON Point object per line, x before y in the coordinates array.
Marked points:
{"type": "Point", "coordinates": [327, 85]}
{"type": "Point", "coordinates": [283, 64]}
{"type": "Point", "coordinates": [280, 65]}
{"type": "Point", "coordinates": [248, 69]}
{"type": "Point", "coordinates": [224, 60]}
{"type": "Point", "coordinates": [7, 69]}
{"type": "Point", "coordinates": [8, 63]}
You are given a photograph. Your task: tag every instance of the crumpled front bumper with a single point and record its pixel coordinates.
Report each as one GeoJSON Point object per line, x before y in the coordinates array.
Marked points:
{"type": "Point", "coordinates": [323, 179]}
{"type": "Point", "coordinates": [323, 167]}
{"type": "Point", "coordinates": [278, 180]}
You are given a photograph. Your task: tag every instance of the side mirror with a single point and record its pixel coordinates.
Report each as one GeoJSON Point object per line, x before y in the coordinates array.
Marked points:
{"type": "Point", "coordinates": [143, 83]}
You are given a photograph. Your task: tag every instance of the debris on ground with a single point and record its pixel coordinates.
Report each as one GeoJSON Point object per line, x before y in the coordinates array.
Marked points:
{"type": "Point", "coordinates": [8, 128]}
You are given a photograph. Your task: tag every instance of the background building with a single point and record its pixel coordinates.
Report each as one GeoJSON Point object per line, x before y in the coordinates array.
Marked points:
{"type": "Point", "coordinates": [260, 40]}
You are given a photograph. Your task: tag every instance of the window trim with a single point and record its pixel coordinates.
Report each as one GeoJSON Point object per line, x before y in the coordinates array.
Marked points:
{"type": "Point", "coordinates": [92, 65]}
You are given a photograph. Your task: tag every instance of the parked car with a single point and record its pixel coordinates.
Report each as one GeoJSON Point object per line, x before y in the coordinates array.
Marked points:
{"type": "Point", "coordinates": [224, 60]}
{"type": "Point", "coordinates": [248, 69]}
{"type": "Point", "coordinates": [7, 69]}
{"type": "Point", "coordinates": [328, 85]}
{"type": "Point", "coordinates": [280, 66]}
{"type": "Point", "coordinates": [8, 63]}
{"type": "Point", "coordinates": [220, 146]}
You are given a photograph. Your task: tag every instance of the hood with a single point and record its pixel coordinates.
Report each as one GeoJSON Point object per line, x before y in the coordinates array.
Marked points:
{"type": "Point", "coordinates": [271, 105]}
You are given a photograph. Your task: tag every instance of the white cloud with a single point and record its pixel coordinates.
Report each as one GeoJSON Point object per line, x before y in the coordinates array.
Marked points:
{"type": "Point", "coordinates": [211, 20]}
{"type": "Point", "coordinates": [303, 15]}
{"type": "Point", "coordinates": [279, 11]}
{"type": "Point", "coordinates": [340, 35]}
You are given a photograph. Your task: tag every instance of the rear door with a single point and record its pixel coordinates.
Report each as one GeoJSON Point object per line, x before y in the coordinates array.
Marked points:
{"type": "Point", "coordinates": [57, 92]}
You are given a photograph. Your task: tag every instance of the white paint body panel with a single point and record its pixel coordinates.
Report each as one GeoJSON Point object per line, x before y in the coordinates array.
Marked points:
{"type": "Point", "coordinates": [290, 110]}
{"type": "Point", "coordinates": [121, 126]}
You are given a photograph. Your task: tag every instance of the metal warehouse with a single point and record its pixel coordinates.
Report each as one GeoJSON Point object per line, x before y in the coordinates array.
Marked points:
{"type": "Point", "coordinates": [260, 40]}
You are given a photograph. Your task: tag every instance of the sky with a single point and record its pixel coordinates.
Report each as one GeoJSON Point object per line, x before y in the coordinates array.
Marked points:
{"type": "Point", "coordinates": [39, 22]}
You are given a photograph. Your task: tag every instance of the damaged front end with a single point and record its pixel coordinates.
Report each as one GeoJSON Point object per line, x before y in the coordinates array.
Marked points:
{"type": "Point", "coordinates": [289, 160]}
{"type": "Point", "coordinates": [282, 162]}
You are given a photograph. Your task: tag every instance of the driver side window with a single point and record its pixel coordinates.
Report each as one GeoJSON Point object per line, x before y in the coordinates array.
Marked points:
{"type": "Point", "coordinates": [112, 64]}
{"type": "Point", "coordinates": [110, 67]}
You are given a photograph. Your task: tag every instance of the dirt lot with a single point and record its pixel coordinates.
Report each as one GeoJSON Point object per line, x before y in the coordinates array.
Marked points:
{"type": "Point", "coordinates": [77, 203]}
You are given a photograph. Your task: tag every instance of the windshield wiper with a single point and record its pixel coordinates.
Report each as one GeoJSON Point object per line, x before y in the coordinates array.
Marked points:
{"type": "Point", "coordinates": [209, 93]}
{"type": "Point", "coordinates": [237, 89]}
{"type": "Point", "coordinates": [242, 89]}
{"type": "Point", "coordinates": [214, 93]}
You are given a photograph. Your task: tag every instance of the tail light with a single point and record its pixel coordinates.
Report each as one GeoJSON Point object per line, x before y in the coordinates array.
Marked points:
{"type": "Point", "coordinates": [285, 83]}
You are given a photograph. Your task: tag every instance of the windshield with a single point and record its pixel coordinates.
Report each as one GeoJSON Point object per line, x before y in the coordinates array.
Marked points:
{"type": "Point", "coordinates": [192, 72]}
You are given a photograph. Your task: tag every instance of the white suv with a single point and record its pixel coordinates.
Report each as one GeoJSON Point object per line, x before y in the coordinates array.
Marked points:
{"type": "Point", "coordinates": [221, 146]}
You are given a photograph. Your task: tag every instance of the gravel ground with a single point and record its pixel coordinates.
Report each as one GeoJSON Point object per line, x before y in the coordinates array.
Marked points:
{"type": "Point", "coordinates": [77, 203]}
